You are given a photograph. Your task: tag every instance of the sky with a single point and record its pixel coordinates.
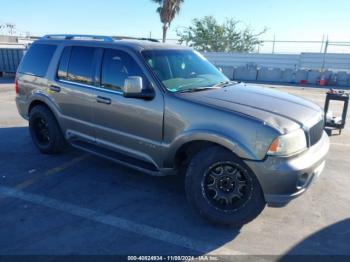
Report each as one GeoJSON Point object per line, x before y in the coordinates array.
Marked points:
{"type": "Point", "coordinates": [284, 19]}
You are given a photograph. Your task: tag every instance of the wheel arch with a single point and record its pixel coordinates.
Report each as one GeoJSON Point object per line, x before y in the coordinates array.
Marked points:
{"type": "Point", "coordinates": [185, 147]}
{"type": "Point", "coordinates": [41, 99]}
{"type": "Point", "coordinates": [45, 101]}
{"type": "Point", "coordinates": [36, 103]}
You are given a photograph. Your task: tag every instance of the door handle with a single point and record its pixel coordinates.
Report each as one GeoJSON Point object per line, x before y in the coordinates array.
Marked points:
{"type": "Point", "coordinates": [54, 88]}
{"type": "Point", "coordinates": [103, 100]}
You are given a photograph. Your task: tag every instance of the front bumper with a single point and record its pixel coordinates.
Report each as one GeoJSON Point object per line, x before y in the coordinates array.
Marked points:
{"type": "Point", "coordinates": [283, 179]}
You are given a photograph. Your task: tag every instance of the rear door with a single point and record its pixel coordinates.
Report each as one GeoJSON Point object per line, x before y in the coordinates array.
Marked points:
{"type": "Point", "coordinates": [71, 89]}
{"type": "Point", "coordinates": [133, 126]}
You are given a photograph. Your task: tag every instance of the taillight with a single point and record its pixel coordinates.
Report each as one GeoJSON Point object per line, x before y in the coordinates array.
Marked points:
{"type": "Point", "coordinates": [16, 87]}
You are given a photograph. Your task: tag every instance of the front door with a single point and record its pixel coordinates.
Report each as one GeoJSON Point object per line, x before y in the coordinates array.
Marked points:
{"type": "Point", "coordinates": [132, 126]}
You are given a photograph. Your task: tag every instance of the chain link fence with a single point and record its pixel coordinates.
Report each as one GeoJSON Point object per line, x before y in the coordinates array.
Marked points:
{"type": "Point", "coordinates": [294, 46]}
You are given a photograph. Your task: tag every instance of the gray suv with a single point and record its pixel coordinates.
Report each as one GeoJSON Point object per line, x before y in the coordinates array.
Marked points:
{"type": "Point", "coordinates": [165, 110]}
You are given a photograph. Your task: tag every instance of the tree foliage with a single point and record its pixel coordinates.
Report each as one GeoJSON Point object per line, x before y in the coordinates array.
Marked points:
{"type": "Point", "coordinates": [207, 35]}
{"type": "Point", "coordinates": [167, 10]}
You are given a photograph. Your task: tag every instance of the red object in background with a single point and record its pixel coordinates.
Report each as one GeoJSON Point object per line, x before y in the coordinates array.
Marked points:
{"type": "Point", "coordinates": [303, 82]}
{"type": "Point", "coordinates": [323, 82]}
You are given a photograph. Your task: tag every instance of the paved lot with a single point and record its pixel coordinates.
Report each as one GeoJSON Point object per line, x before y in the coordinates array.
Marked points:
{"type": "Point", "coordinates": [80, 204]}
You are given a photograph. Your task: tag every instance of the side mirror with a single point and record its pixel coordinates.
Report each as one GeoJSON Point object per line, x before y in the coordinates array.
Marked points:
{"type": "Point", "coordinates": [133, 88]}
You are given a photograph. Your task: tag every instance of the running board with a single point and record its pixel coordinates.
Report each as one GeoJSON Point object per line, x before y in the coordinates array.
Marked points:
{"type": "Point", "coordinates": [116, 157]}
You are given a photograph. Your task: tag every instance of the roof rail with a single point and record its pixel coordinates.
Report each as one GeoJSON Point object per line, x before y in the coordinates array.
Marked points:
{"type": "Point", "coordinates": [79, 37]}
{"type": "Point", "coordinates": [96, 38]}
{"type": "Point", "coordinates": [150, 39]}
{"type": "Point", "coordinates": [135, 38]}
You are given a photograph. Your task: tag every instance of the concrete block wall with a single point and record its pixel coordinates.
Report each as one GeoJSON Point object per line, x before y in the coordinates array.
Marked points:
{"type": "Point", "coordinates": [277, 75]}
{"type": "Point", "coordinates": [279, 68]}
{"type": "Point", "coordinates": [343, 78]}
{"type": "Point", "coordinates": [313, 76]}
{"type": "Point", "coordinates": [288, 75]}
{"type": "Point", "coordinates": [245, 73]}
{"type": "Point", "coordinates": [260, 60]}
{"type": "Point", "coordinates": [270, 74]}
{"type": "Point", "coordinates": [252, 67]}
{"type": "Point", "coordinates": [300, 75]}
{"type": "Point", "coordinates": [228, 71]}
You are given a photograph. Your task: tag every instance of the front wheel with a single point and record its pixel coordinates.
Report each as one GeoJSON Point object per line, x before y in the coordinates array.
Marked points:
{"type": "Point", "coordinates": [223, 189]}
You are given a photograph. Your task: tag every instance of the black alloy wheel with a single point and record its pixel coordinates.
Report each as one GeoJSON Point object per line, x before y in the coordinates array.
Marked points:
{"type": "Point", "coordinates": [227, 186]}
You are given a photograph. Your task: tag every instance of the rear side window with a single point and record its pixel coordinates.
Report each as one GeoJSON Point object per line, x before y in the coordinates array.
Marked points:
{"type": "Point", "coordinates": [76, 64]}
{"type": "Point", "coordinates": [37, 60]}
{"type": "Point", "coordinates": [64, 61]}
{"type": "Point", "coordinates": [116, 67]}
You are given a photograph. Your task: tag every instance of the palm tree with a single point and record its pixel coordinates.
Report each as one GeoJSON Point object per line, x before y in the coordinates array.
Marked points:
{"type": "Point", "coordinates": [167, 10]}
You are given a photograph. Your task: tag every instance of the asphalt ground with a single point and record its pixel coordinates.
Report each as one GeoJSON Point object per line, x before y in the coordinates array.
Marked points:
{"type": "Point", "coordinates": [79, 204]}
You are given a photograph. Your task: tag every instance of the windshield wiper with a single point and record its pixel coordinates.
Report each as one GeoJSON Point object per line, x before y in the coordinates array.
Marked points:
{"type": "Point", "coordinates": [225, 83]}
{"type": "Point", "coordinates": [193, 90]}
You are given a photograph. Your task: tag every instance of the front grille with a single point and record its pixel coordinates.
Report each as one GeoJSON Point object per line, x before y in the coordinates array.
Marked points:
{"type": "Point", "coordinates": [316, 133]}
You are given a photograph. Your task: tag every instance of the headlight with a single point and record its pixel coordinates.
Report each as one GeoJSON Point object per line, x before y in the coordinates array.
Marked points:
{"type": "Point", "coordinates": [288, 144]}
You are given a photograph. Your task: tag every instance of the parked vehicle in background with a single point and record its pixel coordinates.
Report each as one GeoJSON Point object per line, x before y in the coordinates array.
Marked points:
{"type": "Point", "coordinates": [161, 109]}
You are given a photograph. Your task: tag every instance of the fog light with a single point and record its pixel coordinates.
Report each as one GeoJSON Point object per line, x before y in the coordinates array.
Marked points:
{"type": "Point", "coordinates": [302, 180]}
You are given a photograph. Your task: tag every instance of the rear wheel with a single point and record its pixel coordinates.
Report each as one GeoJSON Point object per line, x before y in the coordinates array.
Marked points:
{"type": "Point", "coordinates": [222, 188]}
{"type": "Point", "coordinates": [45, 131]}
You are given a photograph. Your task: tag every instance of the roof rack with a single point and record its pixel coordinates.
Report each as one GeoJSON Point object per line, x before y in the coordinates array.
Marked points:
{"type": "Point", "coordinates": [96, 38]}
{"type": "Point", "coordinates": [79, 37]}
{"type": "Point", "coordinates": [135, 38]}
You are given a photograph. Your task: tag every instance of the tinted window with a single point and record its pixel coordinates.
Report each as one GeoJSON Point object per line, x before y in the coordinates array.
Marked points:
{"type": "Point", "coordinates": [37, 60]}
{"type": "Point", "coordinates": [116, 67]}
{"type": "Point", "coordinates": [181, 70]}
{"type": "Point", "coordinates": [80, 67]}
{"type": "Point", "coordinates": [64, 61]}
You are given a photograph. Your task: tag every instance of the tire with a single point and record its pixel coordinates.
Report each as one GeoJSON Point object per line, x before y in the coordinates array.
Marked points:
{"type": "Point", "coordinates": [45, 131]}
{"type": "Point", "coordinates": [215, 189]}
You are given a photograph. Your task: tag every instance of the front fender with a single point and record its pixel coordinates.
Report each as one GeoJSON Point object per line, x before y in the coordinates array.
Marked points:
{"type": "Point", "coordinates": [209, 136]}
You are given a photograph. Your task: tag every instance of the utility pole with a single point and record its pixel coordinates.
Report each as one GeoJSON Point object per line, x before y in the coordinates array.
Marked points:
{"type": "Point", "coordinates": [325, 54]}
{"type": "Point", "coordinates": [273, 45]}
{"type": "Point", "coordinates": [326, 47]}
{"type": "Point", "coordinates": [322, 44]}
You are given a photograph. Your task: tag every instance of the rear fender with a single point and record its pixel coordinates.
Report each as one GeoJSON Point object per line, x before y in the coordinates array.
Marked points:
{"type": "Point", "coordinates": [43, 98]}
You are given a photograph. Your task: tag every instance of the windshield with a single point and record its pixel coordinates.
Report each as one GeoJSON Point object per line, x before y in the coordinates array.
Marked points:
{"type": "Point", "coordinates": [183, 69]}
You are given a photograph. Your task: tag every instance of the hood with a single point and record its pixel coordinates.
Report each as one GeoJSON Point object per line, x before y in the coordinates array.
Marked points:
{"type": "Point", "coordinates": [282, 111]}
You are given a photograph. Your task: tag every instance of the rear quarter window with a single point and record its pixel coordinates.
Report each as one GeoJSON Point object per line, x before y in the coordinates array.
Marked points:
{"type": "Point", "coordinates": [37, 60]}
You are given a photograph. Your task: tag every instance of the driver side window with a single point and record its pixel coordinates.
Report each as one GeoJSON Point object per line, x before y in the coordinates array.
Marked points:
{"type": "Point", "coordinates": [116, 67]}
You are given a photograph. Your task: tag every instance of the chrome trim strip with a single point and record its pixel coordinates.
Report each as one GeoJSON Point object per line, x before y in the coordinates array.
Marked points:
{"type": "Point", "coordinates": [90, 86]}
